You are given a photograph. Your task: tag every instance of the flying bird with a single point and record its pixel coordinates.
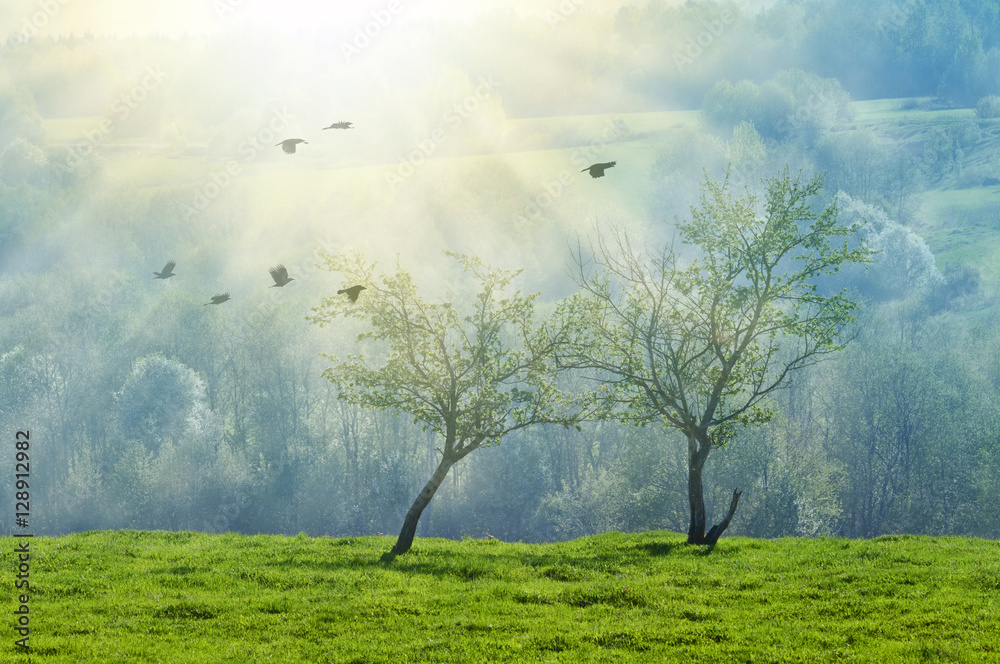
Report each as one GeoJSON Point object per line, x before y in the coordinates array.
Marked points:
{"type": "Point", "coordinates": [340, 125]}
{"type": "Point", "coordinates": [352, 292]}
{"type": "Point", "coordinates": [288, 145]}
{"type": "Point", "coordinates": [280, 276]}
{"type": "Point", "coordinates": [218, 299]}
{"type": "Point", "coordinates": [168, 271]}
{"type": "Point", "coordinates": [597, 170]}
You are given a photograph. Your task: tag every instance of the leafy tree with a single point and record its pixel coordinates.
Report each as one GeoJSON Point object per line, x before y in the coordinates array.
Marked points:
{"type": "Point", "coordinates": [161, 400]}
{"type": "Point", "coordinates": [21, 161]}
{"type": "Point", "coordinates": [904, 264]}
{"type": "Point", "coordinates": [471, 379]}
{"type": "Point", "coordinates": [988, 107]}
{"type": "Point", "coordinates": [900, 404]}
{"type": "Point", "coordinates": [19, 116]}
{"type": "Point", "coordinates": [745, 151]}
{"type": "Point", "coordinates": [727, 104]}
{"type": "Point", "coordinates": [793, 103]}
{"type": "Point", "coordinates": [699, 345]}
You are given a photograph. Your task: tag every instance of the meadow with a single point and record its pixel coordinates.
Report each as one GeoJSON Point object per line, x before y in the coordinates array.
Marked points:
{"type": "Point", "coordinates": [107, 596]}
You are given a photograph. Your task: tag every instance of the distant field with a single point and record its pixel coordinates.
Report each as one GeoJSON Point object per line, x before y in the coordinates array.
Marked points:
{"type": "Point", "coordinates": [893, 115]}
{"type": "Point", "coordinates": [188, 597]}
{"type": "Point", "coordinates": [958, 218]}
{"type": "Point", "coordinates": [962, 226]}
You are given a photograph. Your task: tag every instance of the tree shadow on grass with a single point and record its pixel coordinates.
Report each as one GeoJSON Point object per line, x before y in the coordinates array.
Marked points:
{"type": "Point", "coordinates": [476, 559]}
{"type": "Point", "coordinates": [672, 548]}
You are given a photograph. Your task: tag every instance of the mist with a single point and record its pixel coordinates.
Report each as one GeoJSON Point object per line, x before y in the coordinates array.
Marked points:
{"type": "Point", "coordinates": [133, 136]}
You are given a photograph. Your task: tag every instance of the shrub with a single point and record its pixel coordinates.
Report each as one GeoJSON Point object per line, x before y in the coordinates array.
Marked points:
{"type": "Point", "coordinates": [988, 107]}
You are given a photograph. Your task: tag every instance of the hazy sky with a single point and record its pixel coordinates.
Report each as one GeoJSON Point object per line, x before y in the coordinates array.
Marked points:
{"type": "Point", "coordinates": [174, 17]}
{"type": "Point", "coordinates": [125, 17]}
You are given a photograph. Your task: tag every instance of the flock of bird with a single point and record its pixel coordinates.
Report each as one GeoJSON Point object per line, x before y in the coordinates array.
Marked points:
{"type": "Point", "coordinates": [288, 145]}
{"type": "Point", "coordinates": [279, 273]}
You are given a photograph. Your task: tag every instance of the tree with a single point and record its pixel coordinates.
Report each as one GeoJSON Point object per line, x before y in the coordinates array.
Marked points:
{"type": "Point", "coordinates": [746, 151]}
{"type": "Point", "coordinates": [162, 400]}
{"type": "Point", "coordinates": [904, 264]}
{"type": "Point", "coordinates": [700, 344]}
{"type": "Point", "coordinates": [472, 379]}
{"type": "Point", "coordinates": [23, 162]}
{"type": "Point", "coordinates": [988, 107]}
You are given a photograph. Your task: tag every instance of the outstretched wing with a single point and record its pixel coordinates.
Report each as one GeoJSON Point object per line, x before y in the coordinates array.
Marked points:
{"type": "Point", "coordinates": [352, 292]}
{"type": "Point", "coordinates": [279, 274]}
{"type": "Point", "coordinates": [167, 271]}
{"type": "Point", "coordinates": [288, 147]}
{"type": "Point", "coordinates": [597, 170]}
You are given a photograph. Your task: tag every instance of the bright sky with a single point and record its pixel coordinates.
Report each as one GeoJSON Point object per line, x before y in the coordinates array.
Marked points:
{"type": "Point", "coordinates": [174, 17]}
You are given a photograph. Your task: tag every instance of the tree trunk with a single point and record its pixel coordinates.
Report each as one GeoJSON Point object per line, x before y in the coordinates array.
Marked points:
{"type": "Point", "coordinates": [698, 448]}
{"type": "Point", "coordinates": [697, 454]}
{"type": "Point", "coordinates": [716, 532]}
{"type": "Point", "coordinates": [409, 528]}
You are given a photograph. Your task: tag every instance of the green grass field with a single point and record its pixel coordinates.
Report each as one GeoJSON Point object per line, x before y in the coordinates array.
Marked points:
{"type": "Point", "coordinates": [188, 597]}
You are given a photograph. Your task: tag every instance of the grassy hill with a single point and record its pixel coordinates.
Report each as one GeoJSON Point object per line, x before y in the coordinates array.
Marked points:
{"type": "Point", "coordinates": [189, 597]}
{"type": "Point", "coordinates": [959, 215]}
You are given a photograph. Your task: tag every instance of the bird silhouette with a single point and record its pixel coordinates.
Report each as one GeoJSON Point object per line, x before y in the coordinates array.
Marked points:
{"type": "Point", "coordinates": [168, 271]}
{"type": "Point", "coordinates": [340, 125]}
{"type": "Point", "coordinates": [218, 299]}
{"type": "Point", "coordinates": [288, 145]}
{"type": "Point", "coordinates": [597, 170]}
{"type": "Point", "coordinates": [352, 292]}
{"type": "Point", "coordinates": [280, 276]}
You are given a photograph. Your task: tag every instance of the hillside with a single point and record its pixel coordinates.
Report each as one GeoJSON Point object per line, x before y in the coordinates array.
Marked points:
{"type": "Point", "coordinates": [172, 597]}
{"type": "Point", "coordinates": [959, 214]}
{"type": "Point", "coordinates": [508, 178]}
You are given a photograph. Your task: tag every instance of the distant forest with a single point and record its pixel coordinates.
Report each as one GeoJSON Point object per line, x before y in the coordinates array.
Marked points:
{"type": "Point", "coordinates": [149, 410]}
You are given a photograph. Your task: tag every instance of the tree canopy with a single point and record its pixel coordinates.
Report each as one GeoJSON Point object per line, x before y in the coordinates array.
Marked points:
{"type": "Point", "coordinates": [699, 344]}
{"type": "Point", "coordinates": [471, 378]}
